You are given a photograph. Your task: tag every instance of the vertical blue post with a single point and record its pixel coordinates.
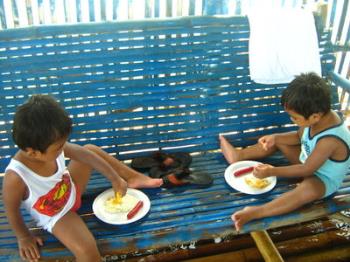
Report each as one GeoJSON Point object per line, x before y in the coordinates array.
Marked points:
{"type": "Point", "coordinates": [78, 5]}
{"type": "Point", "coordinates": [332, 15]}
{"type": "Point", "coordinates": [342, 19]}
{"type": "Point", "coordinates": [148, 11]}
{"type": "Point", "coordinates": [156, 8]}
{"type": "Point", "coordinates": [238, 10]}
{"type": "Point", "coordinates": [91, 11]}
{"type": "Point", "coordinates": [344, 12]}
{"type": "Point", "coordinates": [168, 11]}
{"type": "Point", "coordinates": [115, 7]}
{"type": "Point", "coordinates": [2, 15]}
{"type": "Point", "coordinates": [213, 7]}
{"type": "Point", "coordinates": [103, 11]}
{"type": "Point", "coordinates": [192, 7]}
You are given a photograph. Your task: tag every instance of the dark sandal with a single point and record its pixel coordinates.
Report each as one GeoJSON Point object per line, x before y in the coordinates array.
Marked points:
{"type": "Point", "coordinates": [162, 160]}
{"type": "Point", "coordinates": [173, 179]}
{"type": "Point", "coordinates": [143, 164]}
{"type": "Point", "coordinates": [198, 179]}
{"type": "Point", "coordinates": [173, 160]}
{"type": "Point", "coordinates": [157, 172]}
{"type": "Point", "coordinates": [183, 158]}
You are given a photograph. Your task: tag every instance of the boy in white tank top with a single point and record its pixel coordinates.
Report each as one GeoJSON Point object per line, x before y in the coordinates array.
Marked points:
{"type": "Point", "coordinates": [319, 152]}
{"type": "Point", "coordinates": [38, 179]}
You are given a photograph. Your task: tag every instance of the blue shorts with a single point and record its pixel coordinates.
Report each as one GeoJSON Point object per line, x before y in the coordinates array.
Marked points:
{"type": "Point", "coordinates": [331, 185]}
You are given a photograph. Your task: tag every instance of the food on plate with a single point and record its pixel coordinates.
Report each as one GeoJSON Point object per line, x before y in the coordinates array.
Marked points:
{"type": "Point", "coordinates": [118, 198]}
{"type": "Point", "coordinates": [136, 209]}
{"type": "Point", "coordinates": [256, 182]}
{"type": "Point", "coordinates": [127, 203]}
{"type": "Point", "coordinates": [243, 171]}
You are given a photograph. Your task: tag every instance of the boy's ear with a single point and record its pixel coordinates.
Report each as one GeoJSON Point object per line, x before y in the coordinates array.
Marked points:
{"type": "Point", "coordinates": [32, 153]}
{"type": "Point", "coordinates": [315, 117]}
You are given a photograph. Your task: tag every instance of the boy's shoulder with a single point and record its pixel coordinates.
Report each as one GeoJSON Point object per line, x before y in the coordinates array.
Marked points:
{"type": "Point", "coordinates": [334, 121]}
{"type": "Point", "coordinates": [13, 167]}
{"type": "Point", "coordinates": [332, 130]}
{"type": "Point", "coordinates": [335, 128]}
{"type": "Point", "coordinates": [18, 161]}
{"type": "Point", "coordinates": [11, 178]}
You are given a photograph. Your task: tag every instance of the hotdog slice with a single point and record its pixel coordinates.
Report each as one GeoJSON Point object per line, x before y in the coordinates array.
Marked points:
{"type": "Point", "coordinates": [135, 209]}
{"type": "Point", "coordinates": [243, 171]}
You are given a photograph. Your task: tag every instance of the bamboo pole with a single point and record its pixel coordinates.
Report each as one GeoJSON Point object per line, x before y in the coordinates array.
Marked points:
{"type": "Point", "coordinates": [266, 247]}
{"type": "Point", "coordinates": [336, 254]}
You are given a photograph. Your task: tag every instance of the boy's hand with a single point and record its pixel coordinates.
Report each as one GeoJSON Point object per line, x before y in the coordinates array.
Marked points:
{"type": "Point", "coordinates": [267, 142]}
{"type": "Point", "coordinates": [120, 186]}
{"type": "Point", "coordinates": [262, 171]}
{"type": "Point", "coordinates": [28, 247]}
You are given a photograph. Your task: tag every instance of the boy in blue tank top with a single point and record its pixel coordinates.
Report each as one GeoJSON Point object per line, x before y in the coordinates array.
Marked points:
{"type": "Point", "coordinates": [318, 152]}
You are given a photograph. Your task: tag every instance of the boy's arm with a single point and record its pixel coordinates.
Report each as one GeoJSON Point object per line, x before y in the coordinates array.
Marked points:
{"type": "Point", "coordinates": [325, 148]}
{"type": "Point", "coordinates": [289, 138]}
{"type": "Point", "coordinates": [13, 192]}
{"type": "Point", "coordinates": [81, 154]}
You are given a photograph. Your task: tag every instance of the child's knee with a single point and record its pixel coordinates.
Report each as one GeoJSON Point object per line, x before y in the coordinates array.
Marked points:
{"type": "Point", "coordinates": [313, 189]}
{"type": "Point", "coordinates": [86, 249]}
{"type": "Point", "coordinates": [91, 147]}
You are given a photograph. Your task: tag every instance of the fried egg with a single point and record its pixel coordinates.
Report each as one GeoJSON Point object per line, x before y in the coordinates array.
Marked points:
{"type": "Point", "coordinates": [256, 182]}
{"type": "Point", "coordinates": [128, 202]}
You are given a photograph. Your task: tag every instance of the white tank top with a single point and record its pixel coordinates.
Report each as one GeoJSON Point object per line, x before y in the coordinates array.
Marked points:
{"type": "Point", "coordinates": [50, 198]}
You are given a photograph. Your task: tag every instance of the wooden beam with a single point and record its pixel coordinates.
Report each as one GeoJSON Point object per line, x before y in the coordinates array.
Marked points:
{"type": "Point", "coordinates": [266, 247]}
{"type": "Point", "coordinates": [332, 254]}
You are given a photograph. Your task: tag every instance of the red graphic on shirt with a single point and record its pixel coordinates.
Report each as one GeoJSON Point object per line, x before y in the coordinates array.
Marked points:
{"type": "Point", "coordinates": [55, 200]}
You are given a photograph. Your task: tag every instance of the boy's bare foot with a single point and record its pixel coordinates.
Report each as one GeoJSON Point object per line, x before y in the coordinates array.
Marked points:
{"type": "Point", "coordinates": [230, 153]}
{"type": "Point", "coordinates": [245, 215]}
{"type": "Point", "coordinates": [138, 180]}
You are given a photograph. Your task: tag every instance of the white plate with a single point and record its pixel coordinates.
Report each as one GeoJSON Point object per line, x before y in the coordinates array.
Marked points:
{"type": "Point", "coordinates": [239, 184]}
{"type": "Point", "coordinates": [119, 218]}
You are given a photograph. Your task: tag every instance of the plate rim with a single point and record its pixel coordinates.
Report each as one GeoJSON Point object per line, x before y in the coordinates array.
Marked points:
{"type": "Point", "coordinates": [228, 172]}
{"type": "Point", "coordinates": [146, 207]}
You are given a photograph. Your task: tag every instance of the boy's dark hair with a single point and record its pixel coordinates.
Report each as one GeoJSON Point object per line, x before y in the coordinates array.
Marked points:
{"type": "Point", "coordinates": [39, 123]}
{"type": "Point", "coordinates": [307, 94]}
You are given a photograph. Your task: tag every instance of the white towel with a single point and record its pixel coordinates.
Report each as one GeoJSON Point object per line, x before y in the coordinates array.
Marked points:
{"type": "Point", "coordinates": [283, 44]}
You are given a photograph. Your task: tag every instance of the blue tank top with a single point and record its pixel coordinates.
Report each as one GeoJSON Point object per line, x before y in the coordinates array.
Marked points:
{"type": "Point", "coordinates": [332, 172]}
